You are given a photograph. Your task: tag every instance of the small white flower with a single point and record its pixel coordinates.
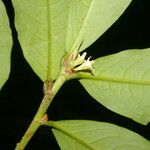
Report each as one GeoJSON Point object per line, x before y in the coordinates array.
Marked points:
{"type": "Point", "coordinates": [79, 60]}
{"type": "Point", "coordinates": [81, 64]}
{"type": "Point", "coordinates": [85, 65]}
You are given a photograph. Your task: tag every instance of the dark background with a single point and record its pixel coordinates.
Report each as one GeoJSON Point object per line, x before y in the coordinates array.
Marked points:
{"type": "Point", "coordinates": [22, 93]}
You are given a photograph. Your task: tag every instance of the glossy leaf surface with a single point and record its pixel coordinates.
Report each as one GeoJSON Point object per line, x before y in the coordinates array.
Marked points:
{"type": "Point", "coordinates": [92, 135]}
{"type": "Point", "coordinates": [5, 45]}
{"type": "Point", "coordinates": [121, 82]}
{"type": "Point", "coordinates": [47, 29]}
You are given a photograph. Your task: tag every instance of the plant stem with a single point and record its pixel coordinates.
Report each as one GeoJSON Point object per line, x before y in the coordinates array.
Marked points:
{"type": "Point", "coordinates": [50, 92]}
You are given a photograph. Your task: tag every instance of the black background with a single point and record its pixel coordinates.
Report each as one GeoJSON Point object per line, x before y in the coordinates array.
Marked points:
{"type": "Point", "coordinates": [22, 93]}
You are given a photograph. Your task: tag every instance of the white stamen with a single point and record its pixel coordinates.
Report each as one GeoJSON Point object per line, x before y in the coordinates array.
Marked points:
{"type": "Point", "coordinates": [85, 65]}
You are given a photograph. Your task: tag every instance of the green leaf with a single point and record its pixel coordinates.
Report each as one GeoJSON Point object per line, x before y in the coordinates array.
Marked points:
{"type": "Point", "coordinates": [100, 16]}
{"type": "Point", "coordinates": [92, 135]}
{"type": "Point", "coordinates": [121, 82]}
{"type": "Point", "coordinates": [47, 29]}
{"type": "Point", "coordinates": [5, 45]}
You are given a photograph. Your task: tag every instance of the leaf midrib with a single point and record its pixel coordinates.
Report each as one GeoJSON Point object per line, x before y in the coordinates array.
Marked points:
{"type": "Point", "coordinates": [71, 135]}
{"type": "Point", "coordinates": [81, 28]}
{"type": "Point", "coordinates": [49, 43]}
{"type": "Point", "coordinates": [110, 79]}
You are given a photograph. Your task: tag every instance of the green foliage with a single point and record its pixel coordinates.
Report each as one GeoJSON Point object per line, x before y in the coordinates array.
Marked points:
{"type": "Point", "coordinates": [50, 29]}
{"type": "Point", "coordinates": [47, 29]}
{"type": "Point", "coordinates": [5, 45]}
{"type": "Point", "coordinates": [92, 135]}
{"type": "Point", "coordinates": [121, 82]}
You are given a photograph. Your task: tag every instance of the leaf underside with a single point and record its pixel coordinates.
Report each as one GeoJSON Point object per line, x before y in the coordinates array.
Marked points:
{"type": "Point", "coordinates": [5, 45]}
{"type": "Point", "coordinates": [121, 82]}
{"type": "Point", "coordinates": [92, 135]}
{"type": "Point", "coordinates": [47, 29]}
